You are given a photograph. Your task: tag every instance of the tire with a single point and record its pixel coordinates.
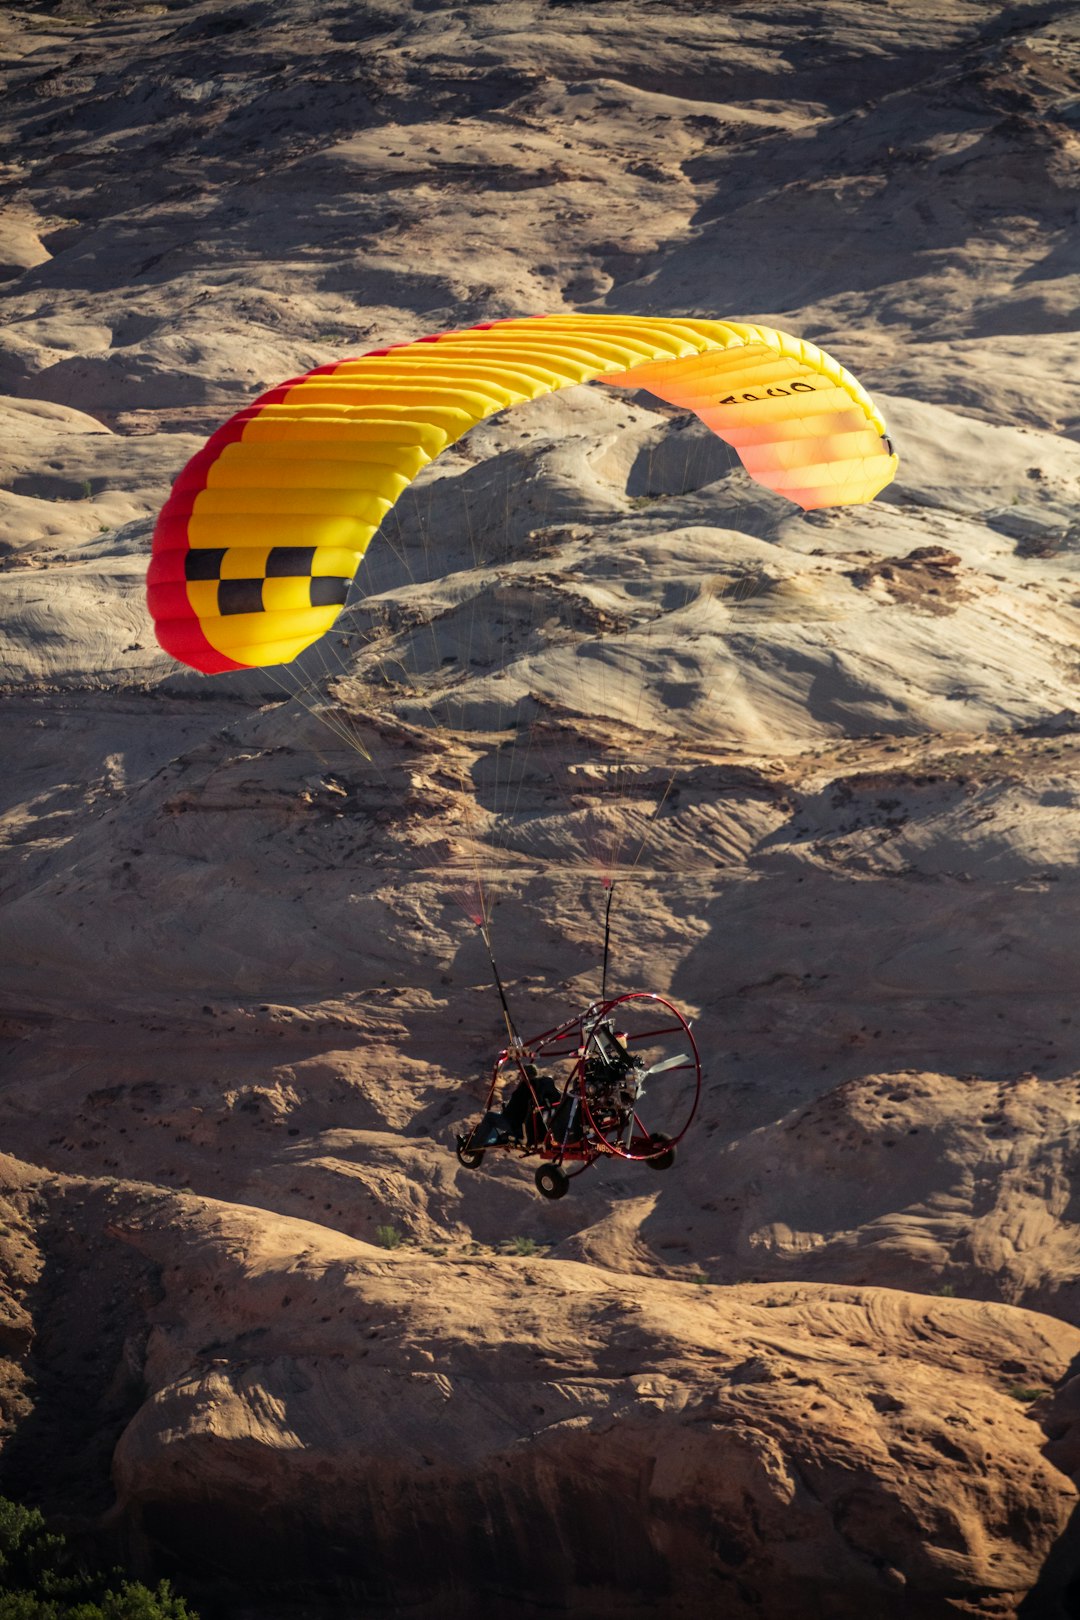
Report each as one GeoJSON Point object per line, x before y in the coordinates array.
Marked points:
{"type": "Point", "coordinates": [551, 1182]}
{"type": "Point", "coordinates": [661, 1161]}
{"type": "Point", "coordinates": [471, 1158]}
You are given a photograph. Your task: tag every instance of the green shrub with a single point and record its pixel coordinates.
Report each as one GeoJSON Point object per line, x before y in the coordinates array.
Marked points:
{"type": "Point", "coordinates": [41, 1579]}
{"type": "Point", "coordinates": [523, 1245]}
{"type": "Point", "coordinates": [388, 1237]}
{"type": "Point", "coordinates": [1025, 1393]}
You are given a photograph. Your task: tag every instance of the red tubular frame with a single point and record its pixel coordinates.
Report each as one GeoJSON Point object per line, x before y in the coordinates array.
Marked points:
{"type": "Point", "coordinates": [592, 1144]}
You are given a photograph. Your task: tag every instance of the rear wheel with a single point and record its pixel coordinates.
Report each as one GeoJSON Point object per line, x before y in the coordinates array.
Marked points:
{"type": "Point", "coordinates": [551, 1182]}
{"type": "Point", "coordinates": [660, 1153]}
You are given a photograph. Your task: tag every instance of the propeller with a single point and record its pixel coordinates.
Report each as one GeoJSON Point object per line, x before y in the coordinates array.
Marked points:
{"type": "Point", "coordinates": [667, 1063]}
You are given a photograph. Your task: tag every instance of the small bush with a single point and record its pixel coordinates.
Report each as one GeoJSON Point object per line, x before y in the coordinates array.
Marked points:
{"type": "Point", "coordinates": [1026, 1393]}
{"type": "Point", "coordinates": [523, 1245]}
{"type": "Point", "coordinates": [946, 1291]}
{"type": "Point", "coordinates": [40, 1579]}
{"type": "Point", "coordinates": [387, 1237]}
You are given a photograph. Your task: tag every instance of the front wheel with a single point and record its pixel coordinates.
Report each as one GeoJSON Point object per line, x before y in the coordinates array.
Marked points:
{"type": "Point", "coordinates": [471, 1158]}
{"type": "Point", "coordinates": [551, 1182]}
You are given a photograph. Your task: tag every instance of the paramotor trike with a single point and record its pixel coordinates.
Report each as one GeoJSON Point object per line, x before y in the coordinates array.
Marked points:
{"type": "Point", "coordinates": [626, 1085]}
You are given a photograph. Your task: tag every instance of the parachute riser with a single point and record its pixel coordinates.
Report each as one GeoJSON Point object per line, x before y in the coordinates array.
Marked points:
{"type": "Point", "coordinates": [511, 1029]}
{"type": "Point", "coordinates": [607, 940]}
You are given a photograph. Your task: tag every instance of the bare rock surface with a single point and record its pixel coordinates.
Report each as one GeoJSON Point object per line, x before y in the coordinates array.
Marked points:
{"type": "Point", "coordinates": [828, 759]}
{"type": "Point", "coordinates": [306, 1401]}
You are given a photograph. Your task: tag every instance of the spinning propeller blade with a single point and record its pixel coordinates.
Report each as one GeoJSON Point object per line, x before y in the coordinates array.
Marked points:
{"type": "Point", "coordinates": [668, 1063]}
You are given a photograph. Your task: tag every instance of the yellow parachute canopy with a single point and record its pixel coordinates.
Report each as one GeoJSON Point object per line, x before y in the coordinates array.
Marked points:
{"type": "Point", "coordinates": [255, 550]}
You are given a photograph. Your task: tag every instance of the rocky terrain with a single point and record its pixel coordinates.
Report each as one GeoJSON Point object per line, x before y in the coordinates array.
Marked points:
{"type": "Point", "coordinates": [261, 1330]}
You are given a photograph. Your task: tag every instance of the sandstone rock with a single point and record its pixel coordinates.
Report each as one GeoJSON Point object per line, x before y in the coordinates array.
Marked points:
{"type": "Point", "coordinates": [312, 1410]}
{"type": "Point", "coordinates": [832, 754]}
